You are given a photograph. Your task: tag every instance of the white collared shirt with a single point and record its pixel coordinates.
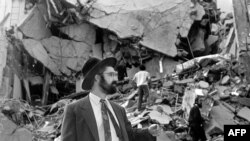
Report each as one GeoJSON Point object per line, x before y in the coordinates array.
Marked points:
{"type": "Point", "coordinates": [96, 106]}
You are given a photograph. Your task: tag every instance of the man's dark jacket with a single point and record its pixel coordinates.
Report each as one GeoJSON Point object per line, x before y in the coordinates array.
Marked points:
{"type": "Point", "coordinates": [79, 123]}
{"type": "Point", "coordinates": [196, 124]}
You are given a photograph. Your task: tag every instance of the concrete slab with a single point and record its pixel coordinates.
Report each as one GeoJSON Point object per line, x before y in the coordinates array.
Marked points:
{"type": "Point", "coordinates": [221, 116]}
{"type": "Point", "coordinates": [157, 22]}
{"type": "Point", "coordinates": [36, 50]}
{"type": "Point", "coordinates": [84, 32]}
{"type": "Point", "coordinates": [244, 113]}
{"type": "Point", "coordinates": [34, 26]}
{"type": "Point", "coordinates": [9, 131]}
{"type": "Point", "coordinates": [68, 55]}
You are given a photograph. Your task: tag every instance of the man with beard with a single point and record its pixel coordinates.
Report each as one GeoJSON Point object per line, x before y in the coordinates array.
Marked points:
{"type": "Point", "coordinates": [196, 122]}
{"type": "Point", "coordinates": [95, 118]}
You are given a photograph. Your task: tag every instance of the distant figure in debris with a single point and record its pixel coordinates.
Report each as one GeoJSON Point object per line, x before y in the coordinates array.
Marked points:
{"type": "Point", "coordinates": [196, 122]}
{"type": "Point", "coordinates": [142, 79]}
{"type": "Point", "coordinates": [122, 70]}
{"type": "Point", "coordinates": [94, 117]}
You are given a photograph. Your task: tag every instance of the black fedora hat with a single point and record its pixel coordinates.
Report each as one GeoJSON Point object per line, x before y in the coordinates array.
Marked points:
{"type": "Point", "coordinates": [91, 68]}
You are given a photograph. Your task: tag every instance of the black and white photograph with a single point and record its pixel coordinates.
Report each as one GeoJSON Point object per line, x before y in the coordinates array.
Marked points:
{"type": "Point", "coordinates": [124, 70]}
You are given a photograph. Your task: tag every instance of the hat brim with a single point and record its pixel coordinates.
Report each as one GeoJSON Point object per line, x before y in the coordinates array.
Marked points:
{"type": "Point", "coordinates": [89, 78]}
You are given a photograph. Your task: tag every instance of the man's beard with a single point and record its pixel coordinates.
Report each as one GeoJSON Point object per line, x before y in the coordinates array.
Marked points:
{"type": "Point", "coordinates": [108, 89]}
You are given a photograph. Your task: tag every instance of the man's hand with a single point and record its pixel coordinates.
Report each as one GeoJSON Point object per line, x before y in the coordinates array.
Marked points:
{"type": "Point", "coordinates": [154, 130]}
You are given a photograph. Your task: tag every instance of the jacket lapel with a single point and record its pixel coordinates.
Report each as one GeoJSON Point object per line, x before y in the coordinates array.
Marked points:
{"type": "Point", "coordinates": [90, 117]}
{"type": "Point", "coordinates": [121, 120]}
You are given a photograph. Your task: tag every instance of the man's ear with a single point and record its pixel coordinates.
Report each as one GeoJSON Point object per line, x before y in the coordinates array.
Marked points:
{"type": "Point", "coordinates": [97, 78]}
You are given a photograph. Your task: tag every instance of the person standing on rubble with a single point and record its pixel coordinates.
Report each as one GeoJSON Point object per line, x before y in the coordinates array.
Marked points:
{"type": "Point", "coordinates": [142, 79]}
{"type": "Point", "coordinates": [196, 122]}
{"type": "Point", "coordinates": [94, 117]}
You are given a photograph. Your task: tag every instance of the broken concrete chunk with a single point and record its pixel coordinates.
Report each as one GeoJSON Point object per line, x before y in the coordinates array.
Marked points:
{"type": "Point", "coordinates": [161, 118]}
{"type": "Point", "coordinates": [36, 50]}
{"type": "Point", "coordinates": [221, 89]}
{"type": "Point", "coordinates": [137, 120]}
{"type": "Point", "coordinates": [235, 91]}
{"type": "Point", "coordinates": [211, 40]}
{"type": "Point", "coordinates": [84, 32]}
{"type": "Point", "coordinates": [179, 89]}
{"type": "Point", "coordinates": [185, 81]}
{"type": "Point", "coordinates": [21, 134]}
{"type": "Point", "coordinates": [168, 84]}
{"type": "Point", "coordinates": [222, 116]}
{"type": "Point", "coordinates": [214, 128]}
{"type": "Point", "coordinates": [69, 55]}
{"type": "Point", "coordinates": [9, 131]}
{"type": "Point", "coordinates": [225, 80]}
{"type": "Point", "coordinates": [34, 26]}
{"type": "Point", "coordinates": [223, 92]}
{"type": "Point", "coordinates": [199, 92]}
{"type": "Point", "coordinates": [215, 28]}
{"type": "Point", "coordinates": [165, 109]}
{"type": "Point", "coordinates": [197, 12]}
{"type": "Point", "coordinates": [203, 84]}
{"type": "Point", "coordinates": [237, 80]}
{"type": "Point", "coordinates": [184, 66]}
{"type": "Point", "coordinates": [164, 137]}
{"type": "Point", "coordinates": [244, 113]}
{"type": "Point", "coordinates": [207, 105]}
{"type": "Point", "coordinates": [6, 124]}
{"type": "Point", "coordinates": [54, 90]}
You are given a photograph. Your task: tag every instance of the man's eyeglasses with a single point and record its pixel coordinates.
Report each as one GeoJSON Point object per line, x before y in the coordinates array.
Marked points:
{"type": "Point", "coordinates": [112, 74]}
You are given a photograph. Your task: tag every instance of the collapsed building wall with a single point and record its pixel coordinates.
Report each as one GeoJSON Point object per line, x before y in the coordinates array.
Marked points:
{"type": "Point", "coordinates": [63, 42]}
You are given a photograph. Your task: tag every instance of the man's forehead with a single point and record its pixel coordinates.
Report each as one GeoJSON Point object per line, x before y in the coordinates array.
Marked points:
{"type": "Point", "coordinates": [109, 69]}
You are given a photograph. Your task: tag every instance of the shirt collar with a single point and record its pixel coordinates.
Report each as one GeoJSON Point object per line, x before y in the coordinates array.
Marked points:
{"type": "Point", "coordinates": [96, 99]}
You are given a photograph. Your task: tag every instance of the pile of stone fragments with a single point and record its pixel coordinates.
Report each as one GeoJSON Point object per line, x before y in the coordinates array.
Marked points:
{"type": "Point", "coordinates": [218, 79]}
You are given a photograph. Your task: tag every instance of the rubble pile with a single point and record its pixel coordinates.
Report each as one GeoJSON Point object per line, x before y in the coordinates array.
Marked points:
{"type": "Point", "coordinates": [217, 79]}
